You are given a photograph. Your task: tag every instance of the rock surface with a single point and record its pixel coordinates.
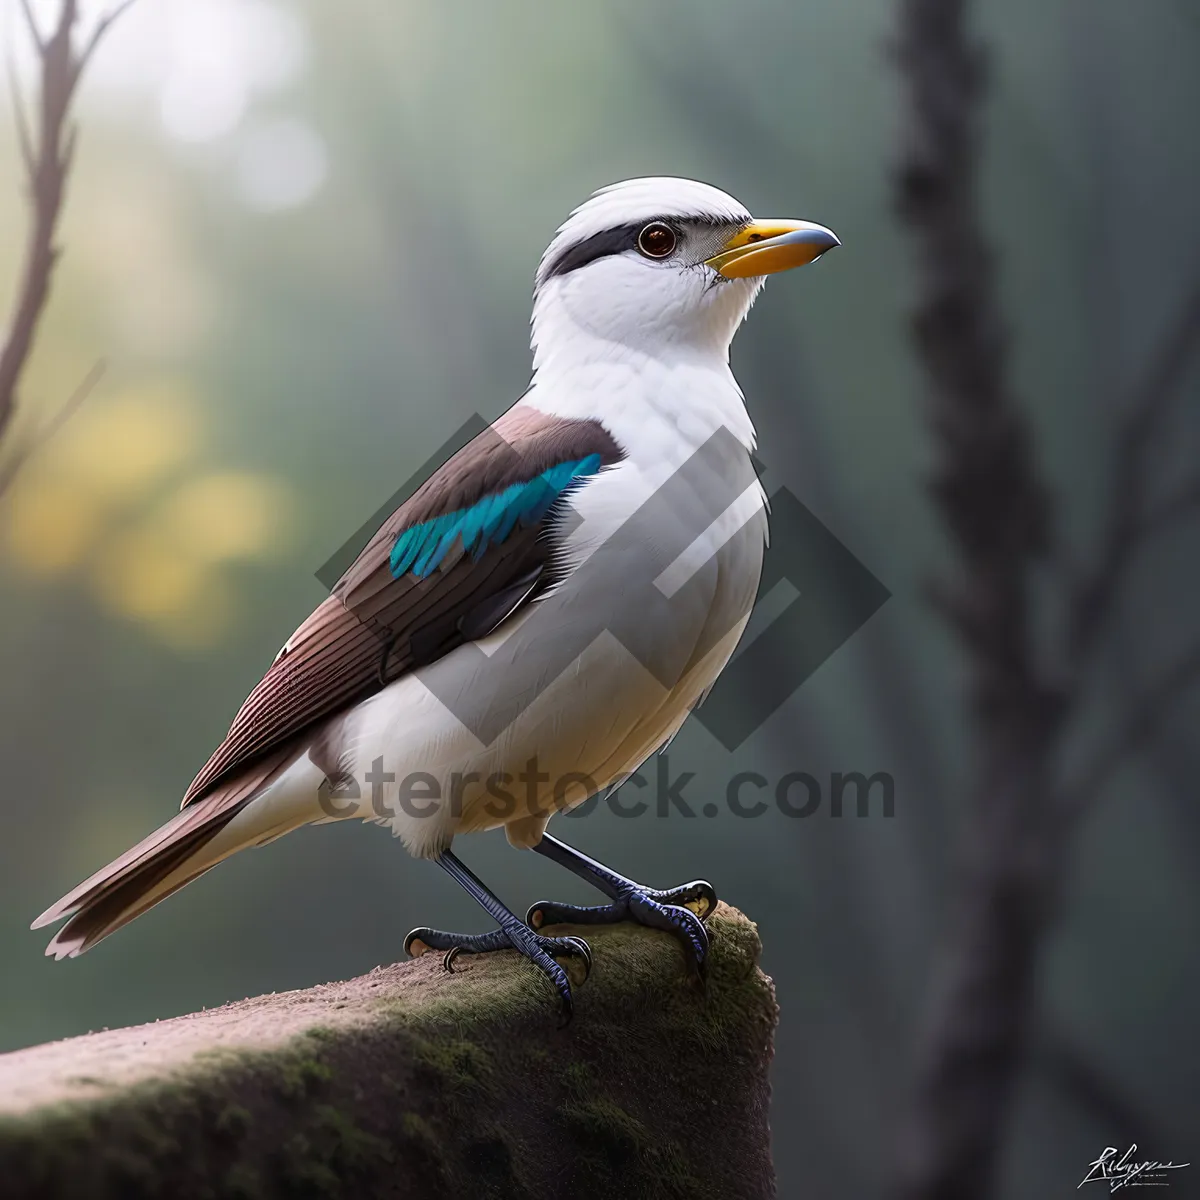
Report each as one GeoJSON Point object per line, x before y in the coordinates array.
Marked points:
{"type": "Point", "coordinates": [417, 1083]}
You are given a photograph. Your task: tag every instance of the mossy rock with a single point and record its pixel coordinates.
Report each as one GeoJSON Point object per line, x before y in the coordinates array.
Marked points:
{"type": "Point", "coordinates": [418, 1083]}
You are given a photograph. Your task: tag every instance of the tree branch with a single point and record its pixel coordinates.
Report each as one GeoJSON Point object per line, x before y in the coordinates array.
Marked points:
{"type": "Point", "coordinates": [985, 484]}
{"type": "Point", "coordinates": [24, 451]}
{"type": "Point", "coordinates": [1126, 523]}
{"type": "Point", "coordinates": [1151, 399]}
{"type": "Point", "coordinates": [1140, 723]}
{"type": "Point", "coordinates": [1071, 1068]}
{"type": "Point", "coordinates": [102, 27]}
{"type": "Point", "coordinates": [20, 119]}
{"type": "Point", "coordinates": [991, 498]}
{"type": "Point", "coordinates": [32, 25]}
{"type": "Point", "coordinates": [47, 157]}
{"type": "Point", "coordinates": [1177, 507]}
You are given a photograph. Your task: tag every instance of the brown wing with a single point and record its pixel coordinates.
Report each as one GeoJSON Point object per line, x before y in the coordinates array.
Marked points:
{"type": "Point", "coordinates": [374, 627]}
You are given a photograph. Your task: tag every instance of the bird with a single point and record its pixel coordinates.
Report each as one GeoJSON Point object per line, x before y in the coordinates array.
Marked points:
{"type": "Point", "coordinates": [540, 616]}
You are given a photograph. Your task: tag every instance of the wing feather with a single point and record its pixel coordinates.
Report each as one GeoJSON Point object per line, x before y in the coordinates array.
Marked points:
{"type": "Point", "coordinates": [381, 622]}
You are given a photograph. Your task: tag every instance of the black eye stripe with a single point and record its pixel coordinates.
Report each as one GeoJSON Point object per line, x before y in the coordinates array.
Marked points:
{"type": "Point", "coordinates": [599, 245]}
{"type": "Point", "coordinates": [699, 236]}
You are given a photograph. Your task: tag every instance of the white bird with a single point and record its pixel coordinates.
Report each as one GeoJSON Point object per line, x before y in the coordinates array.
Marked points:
{"type": "Point", "coordinates": [543, 613]}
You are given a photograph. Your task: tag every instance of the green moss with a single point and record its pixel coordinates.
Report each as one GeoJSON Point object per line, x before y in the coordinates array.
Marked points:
{"type": "Point", "coordinates": [324, 1034]}
{"type": "Point", "coordinates": [578, 1075]}
{"type": "Point", "coordinates": [242, 1182]}
{"type": "Point", "coordinates": [605, 1124]}
{"type": "Point", "coordinates": [299, 1077]}
{"type": "Point", "coordinates": [671, 1174]}
{"type": "Point", "coordinates": [331, 1154]}
{"type": "Point", "coordinates": [417, 1130]}
{"type": "Point", "coordinates": [412, 1089]}
{"type": "Point", "coordinates": [491, 1166]}
{"type": "Point", "coordinates": [233, 1121]}
{"type": "Point", "coordinates": [304, 1169]}
{"type": "Point", "coordinates": [455, 1062]}
{"type": "Point", "coordinates": [497, 986]}
{"type": "Point", "coordinates": [221, 1056]}
{"type": "Point", "coordinates": [349, 1147]}
{"type": "Point", "coordinates": [424, 1151]}
{"type": "Point", "coordinates": [619, 1152]}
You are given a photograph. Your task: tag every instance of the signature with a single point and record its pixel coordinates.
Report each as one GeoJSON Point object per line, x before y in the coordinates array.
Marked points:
{"type": "Point", "coordinates": [1126, 1172]}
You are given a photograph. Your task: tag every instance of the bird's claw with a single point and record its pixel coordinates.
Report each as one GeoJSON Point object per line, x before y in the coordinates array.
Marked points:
{"type": "Point", "coordinates": [700, 896]}
{"type": "Point", "coordinates": [679, 921]}
{"type": "Point", "coordinates": [679, 911]}
{"type": "Point", "coordinates": [422, 940]}
{"type": "Point", "coordinates": [560, 958]}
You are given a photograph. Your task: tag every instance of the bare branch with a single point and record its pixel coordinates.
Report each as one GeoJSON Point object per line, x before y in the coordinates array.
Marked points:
{"type": "Point", "coordinates": [1072, 1068]}
{"type": "Point", "coordinates": [47, 153]}
{"type": "Point", "coordinates": [1151, 398]}
{"type": "Point", "coordinates": [34, 32]}
{"type": "Point", "coordinates": [21, 120]}
{"type": "Point", "coordinates": [1139, 726]}
{"type": "Point", "coordinates": [56, 49]}
{"type": "Point", "coordinates": [70, 141]}
{"type": "Point", "coordinates": [1184, 503]}
{"type": "Point", "coordinates": [990, 495]}
{"type": "Point", "coordinates": [18, 458]}
{"type": "Point", "coordinates": [1126, 524]}
{"type": "Point", "coordinates": [102, 27]}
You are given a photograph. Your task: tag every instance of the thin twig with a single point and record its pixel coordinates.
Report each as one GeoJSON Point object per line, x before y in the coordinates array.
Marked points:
{"type": "Point", "coordinates": [1151, 399]}
{"type": "Point", "coordinates": [1125, 523]}
{"type": "Point", "coordinates": [21, 455]}
{"type": "Point", "coordinates": [1183, 503]}
{"type": "Point", "coordinates": [1072, 1068]}
{"type": "Point", "coordinates": [1137, 728]}
{"type": "Point", "coordinates": [34, 32]}
{"type": "Point", "coordinates": [102, 27]}
{"type": "Point", "coordinates": [20, 118]}
{"type": "Point", "coordinates": [47, 154]}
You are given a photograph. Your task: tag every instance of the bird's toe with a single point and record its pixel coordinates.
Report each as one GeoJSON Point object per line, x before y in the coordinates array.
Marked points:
{"type": "Point", "coordinates": [700, 896]}
{"type": "Point", "coordinates": [574, 955]}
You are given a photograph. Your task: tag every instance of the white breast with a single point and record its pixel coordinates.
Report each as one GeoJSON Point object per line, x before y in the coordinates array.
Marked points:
{"type": "Point", "coordinates": [665, 561]}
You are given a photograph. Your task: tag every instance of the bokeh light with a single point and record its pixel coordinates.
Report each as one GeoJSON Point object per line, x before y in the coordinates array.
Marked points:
{"type": "Point", "coordinates": [280, 164]}
{"type": "Point", "coordinates": [122, 494]}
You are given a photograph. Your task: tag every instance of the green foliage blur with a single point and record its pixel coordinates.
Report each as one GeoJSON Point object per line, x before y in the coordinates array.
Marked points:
{"type": "Point", "coordinates": [303, 237]}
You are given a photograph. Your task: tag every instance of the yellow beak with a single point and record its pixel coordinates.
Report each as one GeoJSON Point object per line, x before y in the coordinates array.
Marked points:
{"type": "Point", "coordinates": [765, 247]}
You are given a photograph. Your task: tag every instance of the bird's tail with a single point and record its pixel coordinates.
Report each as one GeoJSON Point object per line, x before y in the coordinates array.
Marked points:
{"type": "Point", "coordinates": [236, 815]}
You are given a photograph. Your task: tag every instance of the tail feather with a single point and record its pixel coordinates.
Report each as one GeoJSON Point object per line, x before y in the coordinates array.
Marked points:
{"type": "Point", "coordinates": [168, 859]}
{"type": "Point", "coordinates": [182, 828]}
{"type": "Point", "coordinates": [118, 904]}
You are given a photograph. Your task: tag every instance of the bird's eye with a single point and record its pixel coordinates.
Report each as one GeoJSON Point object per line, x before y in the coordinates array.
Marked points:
{"type": "Point", "coordinates": [656, 240]}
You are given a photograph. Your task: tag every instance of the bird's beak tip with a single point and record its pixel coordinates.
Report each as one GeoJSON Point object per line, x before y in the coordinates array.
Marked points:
{"type": "Point", "coordinates": [768, 247]}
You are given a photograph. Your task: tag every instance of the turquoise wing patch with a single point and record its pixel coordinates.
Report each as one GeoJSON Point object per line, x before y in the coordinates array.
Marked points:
{"type": "Point", "coordinates": [487, 522]}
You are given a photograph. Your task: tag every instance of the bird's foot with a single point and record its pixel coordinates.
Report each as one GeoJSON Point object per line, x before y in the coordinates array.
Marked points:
{"type": "Point", "coordinates": [565, 960]}
{"type": "Point", "coordinates": [680, 911]}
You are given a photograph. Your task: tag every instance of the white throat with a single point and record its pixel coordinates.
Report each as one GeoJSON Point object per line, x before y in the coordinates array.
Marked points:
{"type": "Point", "coordinates": [648, 377]}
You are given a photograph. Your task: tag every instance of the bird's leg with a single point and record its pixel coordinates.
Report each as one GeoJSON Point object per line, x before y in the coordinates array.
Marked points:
{"type": "Point", "coordinates": [681, 911]}
{"type": "Point", "coordinates": [549, 953]}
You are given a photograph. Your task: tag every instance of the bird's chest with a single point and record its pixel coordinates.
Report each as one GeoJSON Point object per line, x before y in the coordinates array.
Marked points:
{"type": "Point", "coordinates": [667, 554]}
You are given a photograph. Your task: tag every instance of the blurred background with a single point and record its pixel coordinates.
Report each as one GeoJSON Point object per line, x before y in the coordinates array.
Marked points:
{"type": "Point", "coordinates": [303, 237]}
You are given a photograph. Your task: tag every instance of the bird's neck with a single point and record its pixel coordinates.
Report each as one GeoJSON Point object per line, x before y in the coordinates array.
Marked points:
{"type": "Point", "coordinates": [663, 402]}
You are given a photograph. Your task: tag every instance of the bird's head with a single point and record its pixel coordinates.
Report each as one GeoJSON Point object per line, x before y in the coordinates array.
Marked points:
{"type": "Point", "coordinates": [660, 265]}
